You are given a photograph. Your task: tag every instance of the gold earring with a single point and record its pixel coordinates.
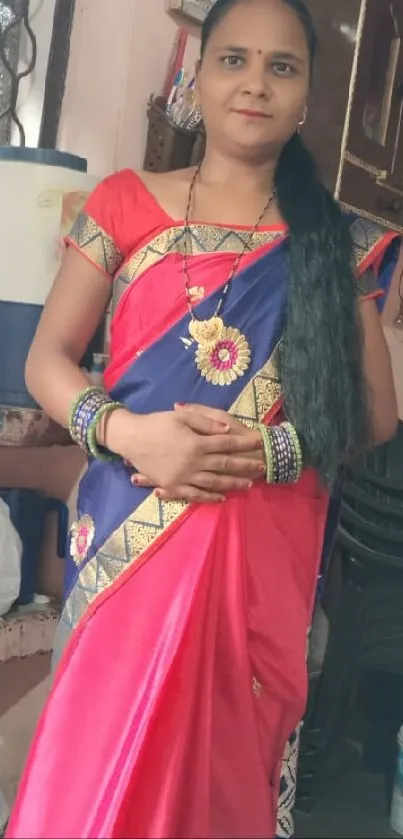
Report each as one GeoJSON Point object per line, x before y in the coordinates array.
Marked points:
{"type": "Point", "coordinates": [198, 113]}
{"type": "Point", "coordinates": [304, 118]}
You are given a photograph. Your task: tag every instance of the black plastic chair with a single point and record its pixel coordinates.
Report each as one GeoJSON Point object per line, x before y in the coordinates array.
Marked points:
{"type": "Point", "coordinates": [366, 627]}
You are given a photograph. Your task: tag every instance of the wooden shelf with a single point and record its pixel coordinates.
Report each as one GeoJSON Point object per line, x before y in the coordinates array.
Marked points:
{"type": "Point", "coordinates": [189, 11]}
{"type": "Point", "coordinates": [182, 20]}
{"type": "Point", "coordinates": [30, 427]}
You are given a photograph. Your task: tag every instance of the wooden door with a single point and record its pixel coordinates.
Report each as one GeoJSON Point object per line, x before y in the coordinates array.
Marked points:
{"type": "Point", "coordinates": [376, 131]}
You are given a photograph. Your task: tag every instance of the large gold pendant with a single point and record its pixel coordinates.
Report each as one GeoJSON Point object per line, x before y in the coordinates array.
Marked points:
{"type": "Point", "coordinates": [206, 333]}
{"type": "Point", "coordinates": [225, 361]}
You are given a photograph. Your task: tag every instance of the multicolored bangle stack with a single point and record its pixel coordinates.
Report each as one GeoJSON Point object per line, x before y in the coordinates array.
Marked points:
{"type": "Point", "coordinates": [86, 412]}
{"type": "Point", "coordinates": [283, 453]}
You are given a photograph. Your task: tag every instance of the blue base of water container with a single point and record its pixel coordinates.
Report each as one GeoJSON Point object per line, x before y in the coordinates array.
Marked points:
{"type": "Point", "coordinates": [45, 157]}
{"type": "Point", "coordinates": [18, 322]}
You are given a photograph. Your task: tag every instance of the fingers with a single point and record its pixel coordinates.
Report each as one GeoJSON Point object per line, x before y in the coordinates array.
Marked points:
{"type": "Point", "coordinates": [201, 423]}
{"type": "Point", "coordinates": [237, 474]}
{"type": "Point", "coordinates": [229, 467]}
{"type": "Point", "coordinates": [139, 480]}
{"type": "Point", "coordinates": [213, 414]}
{"type": "Point", "coordinates": [251, 468]}
{"type": "Point", "coordinates": [220, 483]}
{"type": "Point", "coordinates": [190, 494]}
{"type": "Point", "coordinates": [232, 444]}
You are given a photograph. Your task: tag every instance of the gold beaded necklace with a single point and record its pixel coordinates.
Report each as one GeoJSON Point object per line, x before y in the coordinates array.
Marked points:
{"type": "Point", "coordinates": [223, 353]}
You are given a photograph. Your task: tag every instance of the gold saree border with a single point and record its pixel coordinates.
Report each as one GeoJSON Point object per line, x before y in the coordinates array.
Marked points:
{"type": "Point", "coordinates": [366, 236]}
{"type": "Point", "coordinates": [95, 243]}
{"type": "Point", "coordinates": [143, 528]}
{"type": "Point", "coordinates": [203, 239]}
{"type": "Point", "coordinates": [100, 248]}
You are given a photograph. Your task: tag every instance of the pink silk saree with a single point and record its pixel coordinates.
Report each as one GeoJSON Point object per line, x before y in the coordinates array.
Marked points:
{"type": "Point", "coordinates": [182, 642]}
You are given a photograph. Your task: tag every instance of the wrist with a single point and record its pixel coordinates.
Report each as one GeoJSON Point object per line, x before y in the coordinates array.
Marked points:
{"type": "Point", "coordinates": [117, 432]}
{"type": "Point", "coordinates": [283, 454]}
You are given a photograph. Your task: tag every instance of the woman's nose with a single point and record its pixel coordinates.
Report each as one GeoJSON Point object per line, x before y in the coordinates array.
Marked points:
{"type": "Point", "coordinates": [256, 83]}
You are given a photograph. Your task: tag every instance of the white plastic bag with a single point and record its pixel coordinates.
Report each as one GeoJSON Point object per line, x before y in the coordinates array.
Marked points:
{"type": "Point", "coordinates": [10, 560]}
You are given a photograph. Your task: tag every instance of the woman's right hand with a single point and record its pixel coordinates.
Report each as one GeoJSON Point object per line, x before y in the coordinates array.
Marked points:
{"type": "Point", "coordinates": [183, 452]}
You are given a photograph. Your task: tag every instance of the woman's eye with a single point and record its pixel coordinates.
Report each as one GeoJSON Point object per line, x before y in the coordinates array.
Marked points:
{"type": "Point", "coordinates": [283, 69]}
{"type": "Point", "coordinates": [232, 60]}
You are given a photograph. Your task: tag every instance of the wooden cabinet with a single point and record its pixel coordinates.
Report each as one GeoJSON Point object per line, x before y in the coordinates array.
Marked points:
{"type": "Point", "coordinates": [375, 128]}
{"type": "Point", "coordinates": [356, 119]}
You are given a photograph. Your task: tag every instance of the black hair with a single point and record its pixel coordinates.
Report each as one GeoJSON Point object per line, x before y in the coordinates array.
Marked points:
{"type": "Point", "coordinates": [321, 357]}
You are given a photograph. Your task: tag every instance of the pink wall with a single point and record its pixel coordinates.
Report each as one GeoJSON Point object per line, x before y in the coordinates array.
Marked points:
{"type": "Point", "coordinates": [119, 54]}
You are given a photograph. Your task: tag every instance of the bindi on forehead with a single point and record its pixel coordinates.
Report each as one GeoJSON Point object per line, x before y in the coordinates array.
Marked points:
{"type": "Point", "coordinates": [265, 27]}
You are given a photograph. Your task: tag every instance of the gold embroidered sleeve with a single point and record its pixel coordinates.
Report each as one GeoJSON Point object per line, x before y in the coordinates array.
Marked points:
{"type": "Point", "coordinates": [368, 284]}
{"type": "Point", "coordinates": [366, 237]}
{"type": "Point", "coordinates": [87, 235]}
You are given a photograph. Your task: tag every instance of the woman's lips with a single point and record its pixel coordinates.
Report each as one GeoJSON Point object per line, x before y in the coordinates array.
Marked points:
{"type": "Point", "coordinates": [247, 112]}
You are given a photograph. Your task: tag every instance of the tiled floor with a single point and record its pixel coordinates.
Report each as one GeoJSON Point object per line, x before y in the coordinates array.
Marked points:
{"type": "Point", "coordinates": [16, 730]}
{"type": "Point", "coordinates": [350, 806]}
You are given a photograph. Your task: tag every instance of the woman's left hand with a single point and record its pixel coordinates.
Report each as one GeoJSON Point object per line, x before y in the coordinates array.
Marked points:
{"type": "Point", "coordinates": [237, 428]}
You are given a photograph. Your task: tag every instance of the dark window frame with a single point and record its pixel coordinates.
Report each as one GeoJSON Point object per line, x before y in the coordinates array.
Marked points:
{"type": "Point", "coordinates": [56, 73]}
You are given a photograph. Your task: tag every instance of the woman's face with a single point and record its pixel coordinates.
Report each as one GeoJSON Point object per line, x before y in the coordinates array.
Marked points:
{"type": "Point", "coordinates": [253, 82]}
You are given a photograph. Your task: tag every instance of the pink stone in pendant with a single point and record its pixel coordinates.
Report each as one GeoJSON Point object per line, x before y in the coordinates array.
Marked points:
{"type": "Point", "coordinates": [224, 355]}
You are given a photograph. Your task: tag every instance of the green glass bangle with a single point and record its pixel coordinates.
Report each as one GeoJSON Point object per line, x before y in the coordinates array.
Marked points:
{"type": "Point", "coordinates": [292, 431]}
{"type": "Point", "coordinates": [81, 397]}
{"type": "Point", "coordinates": [97, 451]}
{"type": "Point", "coordinates": [268, 452]}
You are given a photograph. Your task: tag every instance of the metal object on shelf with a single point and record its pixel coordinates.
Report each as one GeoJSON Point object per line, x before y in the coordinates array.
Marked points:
{"type": "Point", "coordinates": [14, 16]}
{"type": "Point", "coordinates": [169, 147]}
{"type": "Point", "coordinates": [195, 10]}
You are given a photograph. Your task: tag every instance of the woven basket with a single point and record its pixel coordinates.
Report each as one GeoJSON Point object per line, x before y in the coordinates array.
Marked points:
{"type": "Point", "coordinates": [169, 147]}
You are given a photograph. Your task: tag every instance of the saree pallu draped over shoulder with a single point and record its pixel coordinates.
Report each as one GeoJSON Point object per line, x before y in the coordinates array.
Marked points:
{"type": "Point", "coordinates": [182, 641]}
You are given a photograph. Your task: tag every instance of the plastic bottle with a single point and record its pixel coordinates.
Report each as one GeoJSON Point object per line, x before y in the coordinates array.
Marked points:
{"type": "Point", "coordinates": [97, 370]}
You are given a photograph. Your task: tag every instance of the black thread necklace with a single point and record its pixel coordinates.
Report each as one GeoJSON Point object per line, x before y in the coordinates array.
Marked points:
{"type": "Point", "coordinates": [223, 353]}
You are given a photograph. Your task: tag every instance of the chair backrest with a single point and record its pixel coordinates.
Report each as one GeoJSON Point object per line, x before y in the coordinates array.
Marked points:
{"type": "Point", "coordinates": [387, 461]}
{"type": "Point", "coordinates": [372, 507]}
{"type": "Point", "coordinates": [362, 555]}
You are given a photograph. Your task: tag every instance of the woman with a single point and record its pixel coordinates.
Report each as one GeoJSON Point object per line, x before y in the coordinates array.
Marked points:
{"type": "Point", "coordinates": [191, 578]}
